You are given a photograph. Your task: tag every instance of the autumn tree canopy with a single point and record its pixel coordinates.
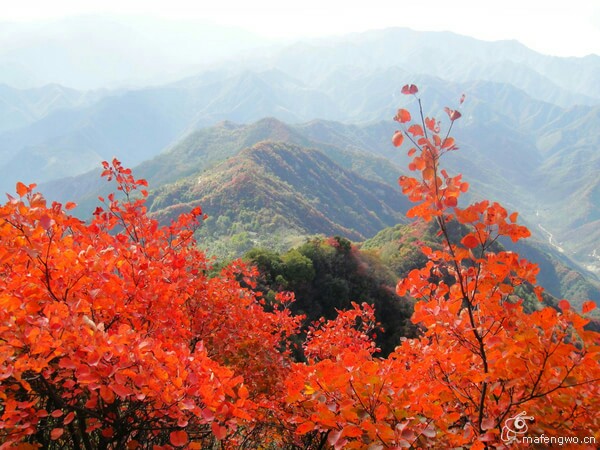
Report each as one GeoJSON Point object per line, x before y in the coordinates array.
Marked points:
{"type": "Point", "coordinates": [480, 359]}
{"type": "Point", "coordinates": [113, 335]}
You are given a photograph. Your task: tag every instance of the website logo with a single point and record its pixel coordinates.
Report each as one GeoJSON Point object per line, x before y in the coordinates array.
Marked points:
{"type": "Point", "coordinates": [514, 427]}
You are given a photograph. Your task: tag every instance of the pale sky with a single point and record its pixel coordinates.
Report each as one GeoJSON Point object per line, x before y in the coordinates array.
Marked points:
{"type": "Point", "coordinates": [564, 28]}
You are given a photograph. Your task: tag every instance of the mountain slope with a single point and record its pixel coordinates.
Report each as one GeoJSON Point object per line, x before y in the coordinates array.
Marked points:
{"type": "Point", "coordinates": [275, 188]}
{"type": "Point", "coordinates": [399, 249]}
{"type": "Point", "coordinates": [202, 149]}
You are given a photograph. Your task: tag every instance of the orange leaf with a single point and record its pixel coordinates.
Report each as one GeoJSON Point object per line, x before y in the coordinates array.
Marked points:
{"type": "Point", "coordinates": [397, 139]}
{"type": "Point", "coordinates": [478, 445]}
{"type": "Point", "coordinates": [305, 428]}
{"type": "Point", "coordinates": [381, 411]}
{"type": "Point", "coordinates": [470, 241]}
{"type": "Point", "coordinates": [432, 125]}
{"type": "Point", "coordinates": [243, 392]}
{"type": "Point", "coordinates": [428, 174]}
{"type": "Point", "coordinates": [416, 130]}
{"type": "Point", "coordinates": [178, 438]}
{"type": "Point", "coordinates": [402, 116]}
{"type": "Point", "coordinates": [564, 305]}
{"type": "Point", "coordinates": [451, 201]}
{"type": "Point", "coordinates": [587, 307]}
{"type": "Point", "coordinates": [352, 431]}
{"type": "Point", "coordinates": [22, 189]}
{"type": "Point", "coordinates": [448, 143]}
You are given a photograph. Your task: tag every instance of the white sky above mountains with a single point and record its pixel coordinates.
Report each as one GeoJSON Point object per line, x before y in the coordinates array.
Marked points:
{"type": "Point", "coordinates": [563, 28]}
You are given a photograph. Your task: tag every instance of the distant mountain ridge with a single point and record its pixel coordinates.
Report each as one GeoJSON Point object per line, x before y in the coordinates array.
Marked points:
{"type": "Point", "coordinates": [452, 57]}
{"type": "Point", "coordinates": [528, 136]}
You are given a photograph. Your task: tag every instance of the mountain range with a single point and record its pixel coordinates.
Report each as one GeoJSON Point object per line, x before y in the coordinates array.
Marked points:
{"type": "Point", "coordinates": [529, 135]}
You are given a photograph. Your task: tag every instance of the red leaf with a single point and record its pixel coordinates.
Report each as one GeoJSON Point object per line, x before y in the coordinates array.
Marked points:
{"type": "Point", "coordinates": [453, 114]}
{"type": "Point", "coordinates": [70, 205]}
{"type": "Point", "coordinates": [432, 125]}
{"type": "Point", "coordinates": [587, 307]}
{"type": "Point", "coordinates": [219, 431]}
{"type": "Point", "coordinates": [412, 151]}
{"type": "Point", "coordinates": [352, 430]}
{"type": "Point", "coordinates": [409, 89]}
{"type": "Point", "coordinates": [462, 99]}
{"type": "Point", "coordinates": [69, 418]}
{"type": "Point", "coordinates": [451, 202]}
{"type": "Point", "coordinates": [564, 305]}
{"type": "Point", "coordinates": [121, 390]}
{"type": "Point", "coordinates": [178, 438]}
{"type": "Point", "coordinates": [107, 394]}
{"type": "Point", "coordinates": [397, 139]}
{"type": "Point", "coordinates": [56, 433]}
{"type": "Point", "coordinates": [402, 116]}
{"type": "Point", "coordinates": [416, 130]}
{"type": "Point", "coordinates": [470, 241]}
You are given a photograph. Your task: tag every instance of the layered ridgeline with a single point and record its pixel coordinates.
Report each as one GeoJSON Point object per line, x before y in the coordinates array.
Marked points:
{"type": "Point", "coordinates": [136, 125]}
{"type": "Point", "coordinates": [529, 137]}
{"type": "Point", "coordinates": [273, 193]}
{"type": "Point", "coordinates": [537, 158]}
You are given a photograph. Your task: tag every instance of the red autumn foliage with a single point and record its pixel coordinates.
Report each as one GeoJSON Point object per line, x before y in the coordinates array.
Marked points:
{"type": "Point", "coordinates": [481, 359]}
{"type": "Point", "coordinates": [112, 335]}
